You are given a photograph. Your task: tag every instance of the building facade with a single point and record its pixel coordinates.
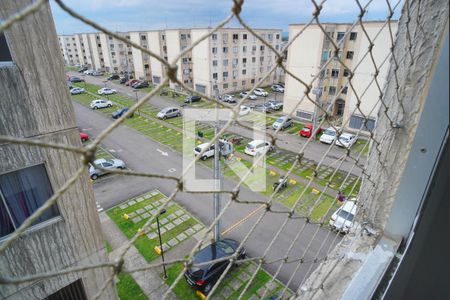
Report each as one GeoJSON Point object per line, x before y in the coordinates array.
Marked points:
{"type": "Point", "coordinates": [230, 60]}
{"type": "Point", "coordinates": [312, 49]}
{"type": "Point", "coordinates": [68, 233]}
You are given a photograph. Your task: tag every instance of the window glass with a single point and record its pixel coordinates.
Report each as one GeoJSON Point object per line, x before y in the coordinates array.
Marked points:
{"type": "Point", "coordinates": [22, 193]}
{"type": "Point", "coordinates": [5, 54]}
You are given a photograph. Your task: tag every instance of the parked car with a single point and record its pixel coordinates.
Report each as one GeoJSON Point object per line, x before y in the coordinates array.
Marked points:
{"type": "Point", "coordinates": [260, 92]}
{"type": "Point", "coordinates": [106, 91]}
{"type": "Point", "coordinates": [123, 79]}
{"type": "Point", "coordinates": [94, 172]}
{"type": "Point", "coordinates": [204, 277]}
{"type": "Point", "coordinates": [192, 98]}
{"type": "Point", "coordinates": [113, 77]}
{"type": "Point", "coordinates": [118, 113]}
{"type": "Point", "coordinates": [229, 98]}
{"type": "Point", "coordinates": [257, 147]}
{"type": "Point", "coordinates": [76, 91]}
{"type": "Point", "coordinates": [346, 140]}
{"type": "Point", "coordinates": [140, 85]}
{"type": "Point", "coordinates": [75, 79]}
{"type": "Point", "coordinates": [131, 82]}
{"type": "Point", "coordinates": [329, 135]}
{"type": "Point", "coordinates": [283, 122]}
{"type": "Point", "coordinates": [245, 93]}
{"type": "Point", "coordinates": [342, 218]}
{"type": "Point", "coordinates": [97, 73]}
{"type": "Point", "coordinates": [84, 136]}
{"type": "Point", "coordinates": [89, 72]}
{"type": "Point", "coordinates": [100, 103]}
{"type": "Point", "coordinates": [277, 88]}
{"type": "Point", "coordinates": [169, 112]}
{"type": "Point", "coordinates": [263, 107]}
{"type": "Point", "coordinates": [82, 69]}
{"type": "Point", "coordinates": [275, 105]}
{"type": "Point", "coordinates": [244, 110]}
{"type": "Point", "coordinates": [280, 84]}
{"type": "Point", "coordinates": [207, 154]}
{"type": "Point", "coordinates": [307, 130]}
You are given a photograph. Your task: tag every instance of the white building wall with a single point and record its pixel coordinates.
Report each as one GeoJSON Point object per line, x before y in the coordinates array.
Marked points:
{"type": "Point", "coordinates": [201, 62]}
{"type": "Point", "coordinates": [105, 51]}
{"type": "Point", "coordinates": [139, 71]}
{"type": "Point", "coordinates": [155, 45]}
{"type": "Point", "coordinates": [173, 49]}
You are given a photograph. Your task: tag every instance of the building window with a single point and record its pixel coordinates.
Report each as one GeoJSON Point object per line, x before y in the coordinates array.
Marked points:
{"type": "Point", "coordinates": [235, 37]}
{"type": "Point", "coordinates": [244, 60]}
{"type": "Point", "coordinates": [113, 53]}
{"type": "Point", "coordinates": [235, 84]}
{"type": "Point", "coordinates": [262, 48]}
{"type": "Point", "coordinates": [253, 48]}
{"type": "Point", "coordinates": [225, 37]}
{"type": "Point", "coordinates": [304, 115]}
{"type": "Point", "coordinates": [235, 62]}
{"type": "Point", "coordinates": [344, 90]}
{"type": "Point", "coordinates": [353, 36]}
{"type": "Point", "coordinates": [332, 90]}
{"type": "Point", "coordinates": [349, 55]}
{"type": "Point", "coordinates": [225, 85]}
{"type": "Point", "coordinates": [146, 66]}
{"type": "Point", "coordinates": [235, 73]}
{"type": "Point", "coordinates": [186, 71]}
{"type": "Point", "coordinates": [243, 82]}
{"type": "Point", "coordinates": [244, 72]}
{"type": "Point", "coordinates": [244, 36]}
{"type": "Point", "coordinates": [357, 122]}
{"type": "Point", "coordinates": [252, 81]}
{"type": "Point", "coordinates": [225, 75]}
{"type": "Point", "coordinates": [253, 59]}
{"type": "Point", "coordinates": [277, 37]}
{"type": "Point", "coordinates": [214, 37]}
{"type": "Point", "coordinates": [270, 36]}
{"type": "Point", "coordinates": [235, 49]}
{"type": "Point", "coordinates": [277, 47]}
{"type": "Point", "coordinates": [23, 192]}
{"type": "Point", "coordinates": [215, 76]}
{"type": "Point", "coordinates": [214, 63]}
{"type": "Point", "coordinates": [340, 36]}
{"type": "Point", "coordinates": [346, 73]}
{"type": "Point", "coordinates": [261, 59]}
{"type": "Point", "coordinates": [225, 62]}
{"type": "Point", "coordinates": [182, 36]}
{"type": "Point", "coordinates": [143, 38]}
{"type": "Point", "coordinates": [225, 49]}
{"type": "Point", "coordinates": [214, 50]}
{"type": "Point", "coordinates": [325, 55]}
{"type": "Point", "coordinates": [335, 73]}
{"type": "Point", "coordinates": [244, 49]}
{"type": "Point", "coordinates": [73, 291]}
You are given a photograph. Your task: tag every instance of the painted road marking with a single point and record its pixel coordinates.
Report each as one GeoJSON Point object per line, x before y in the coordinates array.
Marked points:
{"type": "Point", "coordinates": [163, 153]}
{"type": "Point", "coordinates": [99, 207]}
{"type": "Point", "coordinates": [242, 221]}
{"type": "Point", "coordinates": [111, 150]}
{"type": "Point", "coordinates": [171, 170]}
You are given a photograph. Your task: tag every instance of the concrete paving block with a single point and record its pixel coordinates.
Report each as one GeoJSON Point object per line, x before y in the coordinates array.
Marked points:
{"type": "Point", "coordinates": [271, 285]}
{"type": "Point", "coordinates": [170, 226]}
{"type": "Point", "coordinates": [185, 217]}
{"type": "Point", "coordinates": [123, 206]}
{"type": "Point", "coordinates": [132, 202]}
{"type": "Point", "coordinates": [152, 235]}
{"type": "Point", "coordinates": [261, 291]}
{"type": "Point", "coordinates": [254, 297]}
{"type": "Point", "coordinates": [140, 211]}
{"type": "Point", "coordinates": [251, 268]}
{"type": "Point", "coordinates": [165, 247]}
{"type": "Point", "coordinates": [244, 276]}
{"type": "Point", "coordinates": [163, 221]}
{"type": "Point", "coordinates": [137, 219]}
{"type": "Point", "coordinates": [173, 242]}
{"type": "Point", "coordinates": [132, 214]}
{"type": "Point", "coordinates": [177, 221]}
{"type": "Point", "coordinates": [181, 236]}
{"type": "Point", "coordinates": [147, 196]}
{"type": "Point", "coordinates": [171, 217]}
{"type": "Point", "coordinates": [179, 212]}
{"type": "Point", "coordinates": [162, 230]}
{"type": "Point", "coordinates": [235, 284]}
{"type": "Point", "coordinates": [226, 292]}
{"type": "Point", "coordinates": [197, 227]}
{"type": "Point", "coordinates": [153, 226]}
{"type": "Point", "coordinates": [140, 199]}
{"type": "Point", "coordinates": [145, 215]}
{"type": "Point", "coordinates": [153, 211]}
{"type": "Point", "coordinates": [189, 231]}
{"type": "Point", "coordinates": [149, 207]}
{"type": "Point", "coordinates": [154, 193]}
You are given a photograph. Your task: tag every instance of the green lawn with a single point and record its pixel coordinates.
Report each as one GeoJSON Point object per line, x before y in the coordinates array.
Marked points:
{"type": "Point", "coordinates": [128, 289]}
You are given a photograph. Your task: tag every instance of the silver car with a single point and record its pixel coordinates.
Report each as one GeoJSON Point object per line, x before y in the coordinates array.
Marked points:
{"type": "Point", "coordinates": [95, 172]}
{"type": "Point", "coordinates": [169, 112]}
{"type": "Point", "coordinates": [283, 122]}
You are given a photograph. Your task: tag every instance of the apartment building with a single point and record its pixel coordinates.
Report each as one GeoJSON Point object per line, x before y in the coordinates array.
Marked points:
{"type": "Point", "coordinates": [232, 59]}
{"type": "Point", "coordinates": [177, 41]}
{"type": "Point", "coordinates": [69, 49]}
{"type": "Point", "coordinates": [68, 233]}
{"type": "Point", "coordinates": [311, 50]}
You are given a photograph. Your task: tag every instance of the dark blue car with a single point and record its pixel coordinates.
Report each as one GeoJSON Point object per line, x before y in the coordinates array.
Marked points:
{"type": "Point", "coordinates": [118, 113]}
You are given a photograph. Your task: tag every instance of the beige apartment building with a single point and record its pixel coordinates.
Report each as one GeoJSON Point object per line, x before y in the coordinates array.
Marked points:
{"type": "Point", "coordinates": [230, 60]}
{"type": "Point", "coordinates": [311, 50]}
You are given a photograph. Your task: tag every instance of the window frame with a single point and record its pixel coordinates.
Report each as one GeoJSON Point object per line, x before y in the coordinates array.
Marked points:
{"type": "Point", "coordinates": [5, 47]}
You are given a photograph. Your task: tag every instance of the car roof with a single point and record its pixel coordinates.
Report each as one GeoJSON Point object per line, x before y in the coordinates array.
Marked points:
{"type": "Point", "coordinates": [346, 134]}
{"type": "Point", "coordinates": [256, 142]}
{"type": "Point", "coordinates": [350, 206]}
{"type": "Point", "coordinates": [167, 108]}
{"type": "Point", "coordinates": [213, 251]}
{"type": "Point", "coordinates": [203, 145]}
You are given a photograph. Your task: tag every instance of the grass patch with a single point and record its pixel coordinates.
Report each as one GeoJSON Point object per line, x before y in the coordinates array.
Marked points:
{"type": "Point", "coordinates": [361, 147]}
{"type": "Point", "coordinates": [128, 289]}
{"type": "Point", "coordinates": [108, 246]}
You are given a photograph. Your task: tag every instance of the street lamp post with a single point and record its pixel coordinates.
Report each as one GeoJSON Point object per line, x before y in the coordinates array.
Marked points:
{"type": "Point", "coordinates": [160, 243]}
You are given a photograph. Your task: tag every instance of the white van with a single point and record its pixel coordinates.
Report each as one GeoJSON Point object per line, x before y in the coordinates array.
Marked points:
{"type": "Point", "coordinates": [258, 147]}
{"type": "Point", "coordinates": [342, 219]}
{"type": "Point", "coordinates": [207, 154]}
{"type": "Point", "coordinates": [329, 135]}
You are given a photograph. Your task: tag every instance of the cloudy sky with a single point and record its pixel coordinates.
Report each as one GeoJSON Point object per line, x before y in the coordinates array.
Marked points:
{"type": "Point", "coordinates": [127, 15]}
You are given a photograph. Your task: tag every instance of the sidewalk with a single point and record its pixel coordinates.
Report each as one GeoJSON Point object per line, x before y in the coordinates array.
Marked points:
{"type": "Point", "coordinates": [149, 280]}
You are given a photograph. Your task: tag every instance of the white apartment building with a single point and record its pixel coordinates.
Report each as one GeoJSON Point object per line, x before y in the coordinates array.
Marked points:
{"type": "Point", "coordinates": [311, 50]}
{"type": "Point", "coordinates": [177, 41]}
{"type": "Point", "coordinates": [232, 59]}
{"type": "Point", "coordinates": [69, 49]}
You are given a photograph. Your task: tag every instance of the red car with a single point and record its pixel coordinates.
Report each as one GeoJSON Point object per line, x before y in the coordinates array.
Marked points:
{"type": "Point", "coordinates": [84, 136]}
{"type": "Point", "coordinates": [131, 82]}
{"type": "Point", "coordinates": [308, 129]}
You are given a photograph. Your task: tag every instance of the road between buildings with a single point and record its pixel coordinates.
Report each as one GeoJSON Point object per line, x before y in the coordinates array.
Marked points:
{"type": "Point", "coordinates": [294, 143]}
{"type": "Point", "coordinates": [144, 154]}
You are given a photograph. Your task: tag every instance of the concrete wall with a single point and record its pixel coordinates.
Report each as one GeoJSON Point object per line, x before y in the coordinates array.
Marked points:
{"type": "Point", "coordinates": [173, 49]}
{"type": "Point", "coordinates": [201, 62]}
{"type": "Point", "coordinates": [139, 71]}
{"type": "Point", "coordinates": [34, 88]}
{"type": "Point", "coordinates": [156, 46]}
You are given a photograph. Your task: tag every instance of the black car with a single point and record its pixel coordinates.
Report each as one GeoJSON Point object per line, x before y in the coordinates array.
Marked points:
{"type": "Point", "coordinates": [140, 85]}
{"type": "Point", "coordinates": [75, 79]}
{"type": "Point", "coordinates": [192, 98]}
{"type": "Point", "coordinates": [113, 77]}
{"type": "Point", "coordinates": [81, 70]}
{"type": "Point", "coordinates": [123, 79]}
{"type": "Point", "coordinates": [118, 113]}
{"type": "Point", "coordinates": [204, 277]}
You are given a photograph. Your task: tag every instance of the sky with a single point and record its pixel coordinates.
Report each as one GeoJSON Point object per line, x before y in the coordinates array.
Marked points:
{"type": "Point", "coordinates": [129, 15]}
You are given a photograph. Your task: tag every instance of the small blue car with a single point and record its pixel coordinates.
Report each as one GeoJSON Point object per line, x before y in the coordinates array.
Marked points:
{"type": "Point", "coordinates": [118, 113]}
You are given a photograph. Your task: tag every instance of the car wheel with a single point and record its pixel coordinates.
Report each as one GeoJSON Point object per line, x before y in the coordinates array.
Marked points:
{"type": "Point", "coordinates": [204, 157]}
{"type": "Point", "coordinates": [109, 105]}
{"type": "Point", "coordinates": [179, 115]}
{"type": "Point", "coordinates": [207, 288]}
{"type": "Point", "coordinates": [94, 176]}
{"type": "Point", "coordinates": [83, 140]}
{"type": "Point", "coordinates": [120, 168]}
{"type": "Point", "coordinates": [164, 117]}
{"type": "Point", "coordinates": [95, 107]}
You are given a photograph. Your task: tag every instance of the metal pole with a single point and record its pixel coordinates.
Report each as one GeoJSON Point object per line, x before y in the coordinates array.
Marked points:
{"type": "Point", "coordinates": [162, 250]}
{"type": "Point", "coordinates": [216, 203]}
{"type": "Point", "coordinates": [316, 92]}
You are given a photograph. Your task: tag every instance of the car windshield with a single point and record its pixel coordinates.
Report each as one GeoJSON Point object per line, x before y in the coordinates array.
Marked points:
{"type": "Point", "coordinates": [344, 139]}
{"type": "Point", "coordinates": [306, 129]}
{"type": "Point", "coordinates": [280, 120]}
{"type": "Point", "coordinates": [346, 215]}
{"type": "Point", "coordinates": [198, 149]}
{"type": "Point", "coordinates": [250, 146]}
{"type": "Point", "coordinates": [330, 132]}
{"type": "Point", "coordinates": [225, 248]}
{"type": "Point", "coordinates": [109, 161]}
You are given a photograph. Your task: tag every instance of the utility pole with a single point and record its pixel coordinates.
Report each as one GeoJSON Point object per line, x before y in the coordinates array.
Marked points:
{"type": "Point", "coordinates": [316, 91]}
{"type": "Point", "coordinates": [217, 180]}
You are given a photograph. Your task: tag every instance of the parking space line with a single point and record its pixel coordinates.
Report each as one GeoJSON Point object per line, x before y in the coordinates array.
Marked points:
{"type": "Point", "coordinates": [242, 221]}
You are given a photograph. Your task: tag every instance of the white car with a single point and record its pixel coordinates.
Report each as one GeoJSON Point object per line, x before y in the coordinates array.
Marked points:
{"type": "Point", "coordinates": [245, 93]}
{"type": "Point", "coordinates": [260, 92]}
{"type": "Point", "coordinates": [244, 110]}
{"type": "Point", "coordinates": [329, 135]}
{"type": "Point", "coordinates": [89, 72]}
{"type": "Point", "coordinates": [76, 91]}
{"type": "Point", "coordinates": [207, 154]}
{"type": "Point", "coordinates": [94, 172]}
{"type": "Point", "coordinates": [277, 88]}
{"type": "Point", "coordinates": [228, 98]}
{"type": "Point", "coordinates": [342, 219]}
{"type": "Point", "coordinates": [100, 103]}
{"type": "Point", "coordinates": [346, 140]}
{"type": "Point", "coordinates": [106, 91]}
{"type": "Point", "coordinates": [283, 122]}
{"type": "Point", "coordinates": [258, 147]}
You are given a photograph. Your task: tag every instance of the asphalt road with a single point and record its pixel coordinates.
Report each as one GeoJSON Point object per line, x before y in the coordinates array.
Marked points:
{"type": "Point", "coordinates": [315, 150]}
{"type": "Point", "coordinates": [143, 154]}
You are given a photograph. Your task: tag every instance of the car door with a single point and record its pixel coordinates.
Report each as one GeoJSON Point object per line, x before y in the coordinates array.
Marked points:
{"type": "Point", "coordinates": [216, 270]}
{"type": "Point", "coordinates": [106, 165]}
{"type": "Point", "coordinates": [288, 123]}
